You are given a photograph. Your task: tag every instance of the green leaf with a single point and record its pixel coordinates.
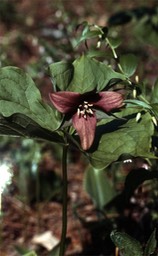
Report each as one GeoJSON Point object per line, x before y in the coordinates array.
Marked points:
{"type": "Point", "coordinates": [83, 75]}
{"type": "Point", "coordinates": [61, 74]}
{"type": "Point", "coordinates": [126, 244]}
{"type": "Point", "coordinates": [87, 34]}
{"type": "Point", "coordinates": [90, 31]}
{"type": "Point", "coordinates": [139, 103]}
{"type": "Point", "coordinates": [151, 244]}
{"type": "Point", "coordinates": [90, 74]}
{"type": "Point", "coordinates": [98, 186]}
{"type": "Point", "coordinates": [119, 136]}
{"type": "Point", "coordinates": [18, 94]}
{"type": "Point", "coordinates": [129, 64]}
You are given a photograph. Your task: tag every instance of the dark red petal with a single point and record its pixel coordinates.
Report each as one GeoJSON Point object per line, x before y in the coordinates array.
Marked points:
{"type": "Point", "coordinates": [85, 129]}
{"type": "Point", "coordinates": [109, 101]}
{"type": "Point", "coordinates": [65, 101]}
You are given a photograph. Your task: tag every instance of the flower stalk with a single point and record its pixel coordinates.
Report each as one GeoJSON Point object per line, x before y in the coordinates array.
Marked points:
{"type": "Point", "coordinates": [64, 197]}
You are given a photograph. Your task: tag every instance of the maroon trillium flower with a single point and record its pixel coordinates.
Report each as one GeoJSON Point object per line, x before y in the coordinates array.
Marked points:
{"type": "Point", "coordinates": [81, 108]}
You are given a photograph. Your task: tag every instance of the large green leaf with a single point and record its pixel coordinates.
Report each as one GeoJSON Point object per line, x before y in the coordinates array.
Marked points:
{"type": "Point", "coordinates": [85, 75]}
{"type": "Point", "coordinates": [98, 186]}
{"type": "Point", "coordinates": [19, 95]}
{"type": "Point", "coordinates": [122, 136]}
{"type": "Point", "coordinates": [126, 244]}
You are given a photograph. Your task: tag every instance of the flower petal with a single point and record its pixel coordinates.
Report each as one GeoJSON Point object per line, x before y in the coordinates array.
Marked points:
{"type": "Point", "coordinates": [65, 101]}
{"type": "Point", "coordinates": [109, 100]}
{"type": "Point", "coordinates": [85, 129]}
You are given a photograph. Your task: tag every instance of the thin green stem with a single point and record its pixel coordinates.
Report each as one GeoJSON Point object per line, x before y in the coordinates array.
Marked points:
{"type": "Point", "coordinates": [115, 55]}
{"type": "Point", "coordinates": [64, 197]}
{"type": "Point", "coordinates": [116, 58]}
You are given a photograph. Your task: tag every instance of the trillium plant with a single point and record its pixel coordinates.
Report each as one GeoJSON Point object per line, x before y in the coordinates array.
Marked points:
{"type": "Point", "coordinates": [97, 104]}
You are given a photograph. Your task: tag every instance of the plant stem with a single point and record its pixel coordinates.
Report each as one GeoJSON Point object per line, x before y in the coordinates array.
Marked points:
{"type": "Point", "coordinates": [116, 58]}
{"type": "Point", "coordinates": [64, 197]}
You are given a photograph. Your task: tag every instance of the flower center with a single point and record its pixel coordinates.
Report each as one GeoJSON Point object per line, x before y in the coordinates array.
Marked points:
{"type": "Point", "coordinates": [85, 109]}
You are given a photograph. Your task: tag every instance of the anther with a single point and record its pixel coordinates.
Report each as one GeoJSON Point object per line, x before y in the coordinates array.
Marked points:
{"type": "Point", "coordinates": [86, 106]}
{"type": "Point", "coordinates": [90, 111]}
{"type": "Point", "coordinates": [78, 112]}
{"type": "Point", "coordinates": [83, 112]}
